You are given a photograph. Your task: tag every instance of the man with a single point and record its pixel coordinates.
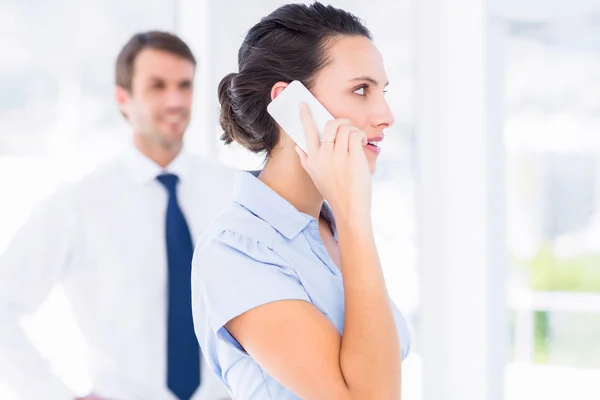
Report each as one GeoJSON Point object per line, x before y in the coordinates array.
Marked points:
{"type": "Point", "coordinates": [120, 243]}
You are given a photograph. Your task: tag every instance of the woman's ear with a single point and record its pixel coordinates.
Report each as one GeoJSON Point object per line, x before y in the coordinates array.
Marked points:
{"type": "Point", "coordinates": [278, 88]}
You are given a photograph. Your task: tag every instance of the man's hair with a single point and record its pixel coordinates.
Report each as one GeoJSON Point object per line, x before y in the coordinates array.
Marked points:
{"type": "Point", "coordinates": [156, 40]}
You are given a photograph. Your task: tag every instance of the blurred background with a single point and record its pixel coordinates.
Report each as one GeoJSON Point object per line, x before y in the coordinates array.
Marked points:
{"type": "Point", "coordinates": [59, 119]}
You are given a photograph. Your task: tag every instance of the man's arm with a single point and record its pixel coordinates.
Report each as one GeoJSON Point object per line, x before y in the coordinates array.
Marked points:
{"type": "Point", "coordinates": [35, 260]}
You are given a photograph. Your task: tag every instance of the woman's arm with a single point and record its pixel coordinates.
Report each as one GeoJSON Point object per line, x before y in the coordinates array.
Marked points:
{"type": "Point", "coordinates": [370, 355]}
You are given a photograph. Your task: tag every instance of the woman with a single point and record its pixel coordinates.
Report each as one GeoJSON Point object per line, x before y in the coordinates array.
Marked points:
{"type": "Point", "coordinates": [287, 303]}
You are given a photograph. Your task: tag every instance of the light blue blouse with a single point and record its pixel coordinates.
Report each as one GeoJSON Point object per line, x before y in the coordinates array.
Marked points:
{"type": "Point", "coordinates": [261, 250]}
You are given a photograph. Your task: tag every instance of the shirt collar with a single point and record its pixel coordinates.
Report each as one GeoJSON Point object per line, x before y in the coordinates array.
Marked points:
{"type": "Point", "coordinates": [264, 202]}
{"type": "Point", "coordinates": [144, 170]}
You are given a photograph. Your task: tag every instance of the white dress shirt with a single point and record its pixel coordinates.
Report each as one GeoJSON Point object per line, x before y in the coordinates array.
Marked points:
{"type": "Point", "coordinates": [103, 239]}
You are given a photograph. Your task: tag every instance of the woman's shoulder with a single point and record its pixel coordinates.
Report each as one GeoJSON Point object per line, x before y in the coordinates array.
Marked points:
{"type": "Point", "coordinates": [239, 246]}
{"type": "Point", "coordinates": [238, 230]}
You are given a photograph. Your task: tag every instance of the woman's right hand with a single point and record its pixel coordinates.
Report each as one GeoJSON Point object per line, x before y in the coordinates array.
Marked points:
{"type": "Point", "coordinates": [338, 166]}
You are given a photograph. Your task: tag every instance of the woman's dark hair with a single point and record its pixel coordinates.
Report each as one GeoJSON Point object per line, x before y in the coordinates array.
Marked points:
{"type": "Point", "coordinates": [289, 44]}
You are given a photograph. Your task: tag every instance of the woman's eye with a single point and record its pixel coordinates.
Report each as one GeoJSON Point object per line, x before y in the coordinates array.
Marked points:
{"type": "Point", "coordinates": [360, 91]}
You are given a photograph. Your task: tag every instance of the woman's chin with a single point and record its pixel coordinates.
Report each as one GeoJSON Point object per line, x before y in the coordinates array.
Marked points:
{"type": "Point", "coordinates": [373, 166]}
{"type": "Point", "coordinates": [372, 160]}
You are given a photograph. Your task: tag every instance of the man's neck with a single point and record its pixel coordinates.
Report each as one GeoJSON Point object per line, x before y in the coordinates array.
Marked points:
{"type": "Point", "coordinates": [155, 151]}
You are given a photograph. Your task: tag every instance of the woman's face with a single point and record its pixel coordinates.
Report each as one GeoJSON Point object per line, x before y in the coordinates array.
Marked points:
{"type": "Point", "coordinates": [353, 86]}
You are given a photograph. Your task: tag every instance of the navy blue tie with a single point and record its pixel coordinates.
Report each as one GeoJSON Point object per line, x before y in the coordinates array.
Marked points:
{"type": "Point", "coordinates": [183, 355]}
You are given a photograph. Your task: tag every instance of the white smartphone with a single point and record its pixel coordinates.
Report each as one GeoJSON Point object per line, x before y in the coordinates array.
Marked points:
{"type": "Point", "coordinates": [285, 110]}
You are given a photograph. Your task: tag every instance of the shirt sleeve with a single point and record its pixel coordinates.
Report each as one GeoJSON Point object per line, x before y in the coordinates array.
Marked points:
{"type": "Point", "coordinates": [234, 273]}
{"type": "Point", "coordinates": [35, 260]}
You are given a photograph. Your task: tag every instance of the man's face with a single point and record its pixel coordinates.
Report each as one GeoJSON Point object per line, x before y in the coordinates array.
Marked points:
{"type": "Point", "coordinates": [159, 104]}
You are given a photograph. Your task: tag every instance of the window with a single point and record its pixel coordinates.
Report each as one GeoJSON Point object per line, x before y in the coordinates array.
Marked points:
{"type": "Point", "coordinates": [551, 133]}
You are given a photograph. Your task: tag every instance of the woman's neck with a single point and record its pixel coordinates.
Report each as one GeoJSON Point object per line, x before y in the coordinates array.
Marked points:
{"type": "Point", "coordinates": [284, 173]}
